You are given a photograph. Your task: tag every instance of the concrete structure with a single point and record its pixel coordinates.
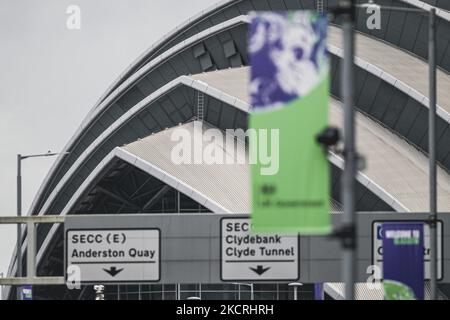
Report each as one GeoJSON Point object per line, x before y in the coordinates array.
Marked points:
{"type": "Point", "coordinates": [119, 159]}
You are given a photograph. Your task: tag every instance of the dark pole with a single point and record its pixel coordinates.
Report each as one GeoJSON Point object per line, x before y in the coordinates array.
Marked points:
{"type": "Point", "coordinates": [432, 152]}
{"type": "Point", "coordinates": [19, 226]}
{"type": "Point", "coordinates": [19, 208]}
{"type": "Point", "coordinates": [350, 155]}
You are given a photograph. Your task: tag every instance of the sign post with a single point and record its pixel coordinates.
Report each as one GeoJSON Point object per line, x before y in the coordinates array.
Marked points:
{"type": "Point", "coordinates": [114, 255]}
{"type": "Point", "coordinates": [250, 257]}
{"type": "Point", "coordinates": [432, 148]}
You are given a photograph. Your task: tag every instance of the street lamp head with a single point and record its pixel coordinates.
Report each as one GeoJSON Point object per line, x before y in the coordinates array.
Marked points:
{"type": "Point", "coordinates": [243, 284]}
{"type": "Point", "coordinates": [370, 4]}
{"type": "Point", "coordinates": [48, 154]}
{"type": "Point", "coordinates": [295, 284]}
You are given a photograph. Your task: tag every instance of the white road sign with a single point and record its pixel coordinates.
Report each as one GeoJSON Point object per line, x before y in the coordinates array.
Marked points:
{"type": "Point", "coordinates": [377, 247]}
{"type": "Point", "coordinates": [122, 255]}
{"type": "Point", "coordinates": [251, 257]}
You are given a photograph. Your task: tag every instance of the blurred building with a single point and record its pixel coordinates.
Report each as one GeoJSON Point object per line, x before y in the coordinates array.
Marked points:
{"type": "Point", "coordinates": [119, 161]}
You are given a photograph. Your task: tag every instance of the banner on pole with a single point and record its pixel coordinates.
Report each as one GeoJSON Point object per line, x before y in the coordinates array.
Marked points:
{"type": "Point", "coordinates": [403, 264]}
{"type": "Point", "coordinates": [395, 290]}
{"type": "Point", "coordinates": [289, 95]}
{"type": "Point", "coordinates": [26, 292]}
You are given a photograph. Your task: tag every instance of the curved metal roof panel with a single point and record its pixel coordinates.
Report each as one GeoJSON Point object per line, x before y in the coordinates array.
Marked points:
{"type": "Point", "coordinates": [96, 112]}
{"type": "Point", "coordinates": [392, 163]}
{"type": "Point", "coordinates": [214, 9]}
{"type": "Point", "coordinates": [398, 66]}
{"type": "Point", "coordinates": [416, 94]}
{"type": "Point", "coordinates": [228, 185]}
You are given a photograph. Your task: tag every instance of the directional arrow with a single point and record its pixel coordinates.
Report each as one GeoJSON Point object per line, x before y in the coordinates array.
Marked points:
{"type": "Point", "coordinates": [259, 269]}
{"type": "Point", "coordinates": [113, 271]}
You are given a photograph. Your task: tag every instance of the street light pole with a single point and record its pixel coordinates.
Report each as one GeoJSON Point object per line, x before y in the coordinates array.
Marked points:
{"type": "Point", "coordinates": [1, 287]}
{"type": "Point", "coordinates": [295, 285]}
{"type": "Point", "coordinates": [252, 295]}
{"type": "Point", "coordinates": [432, 151]}
{"type": "Point", "coordinates": [19, 226]}
{"type": "Point", "coordinates": [19, 209]}
{"type": "Point", "coordinates": [431, 137]}
{"type": "Point", "coordinates": [350, 155]}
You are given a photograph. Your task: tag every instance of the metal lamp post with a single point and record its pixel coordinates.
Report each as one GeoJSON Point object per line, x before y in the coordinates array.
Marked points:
{"type": "Point", "coordinates": [19, 207]}
{"type": "Point", "coordinates": [295, 285]}
{"type": "Point", "coordinates": [1, 287]}
{"type": "Point", "coordinates": [348, 232]}
{"type": "Point", "coordinates": [432, 151]}
{"type": "Point", "coordinates": [252, 296]}
{"type": "Point", "coordinates": [348, 228]}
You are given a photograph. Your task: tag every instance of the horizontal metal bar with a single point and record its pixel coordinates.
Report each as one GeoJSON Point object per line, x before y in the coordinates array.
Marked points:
{"type": "Point", "coordinates": [32, 281]}
{"type": "Point", "coordinates": [61, 219]}
{"type": "Point", "coordinates": [389, 8]}
{"type": "Point", "coordinates": [35, 219]}
{"type": "Point", "coordinates": [49, 154]}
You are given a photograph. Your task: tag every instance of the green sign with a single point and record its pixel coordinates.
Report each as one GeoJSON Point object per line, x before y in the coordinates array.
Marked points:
{"type": "Point", "coordinates": [394, 290]}
{"type": "Point", "coordinates": [290, 96]}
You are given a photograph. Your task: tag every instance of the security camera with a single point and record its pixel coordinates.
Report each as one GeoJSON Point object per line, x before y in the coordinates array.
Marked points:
{"type": "Point", "coordinates": [329, 137]}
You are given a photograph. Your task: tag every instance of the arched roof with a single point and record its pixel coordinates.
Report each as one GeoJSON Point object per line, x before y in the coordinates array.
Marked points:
{"type": "Point", "coordinates": [231, 83]}
{"type": "Point", "coordinates": [205, 24]}
{"type": "Point", "coordinates": [208, 25]}
{"type": "Point", "coordinates": [214, 9]}
{"type": "Point", "coordinates": [382, 149]}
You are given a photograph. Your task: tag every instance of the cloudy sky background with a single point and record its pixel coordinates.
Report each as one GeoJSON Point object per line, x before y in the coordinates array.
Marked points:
{"type": "Point", "coordinates": [51, 77]}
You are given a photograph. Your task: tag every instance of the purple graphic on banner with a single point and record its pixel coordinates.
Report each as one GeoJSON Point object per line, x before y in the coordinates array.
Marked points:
{"type": "Point", "coordinates": [288, 56]}
{"type": "Point", "coordinates": [403, 247]}
{"type": "Point", "coordinates": [26, 292]}
{"type": "Point", "coordinates": [318, 291]}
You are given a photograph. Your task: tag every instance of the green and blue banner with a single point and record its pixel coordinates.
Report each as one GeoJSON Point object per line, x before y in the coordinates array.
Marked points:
{"type": "Point", "coordinates": [26, 292]}
{"type": "Point", "coordinates": [403, 264]}
{"type": "Point", "coordinates": [289, 94]}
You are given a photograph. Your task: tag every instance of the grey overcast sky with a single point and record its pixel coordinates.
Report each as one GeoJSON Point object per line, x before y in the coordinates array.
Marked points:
{"type": "Point", "coordinates": [51, 76]}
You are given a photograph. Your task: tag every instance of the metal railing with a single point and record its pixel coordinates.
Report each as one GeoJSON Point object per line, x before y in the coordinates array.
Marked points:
{"type": "Point", "coordinates": [31, 278]}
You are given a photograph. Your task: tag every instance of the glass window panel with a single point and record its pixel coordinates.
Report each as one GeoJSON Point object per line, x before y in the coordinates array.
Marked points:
{"type": "Point", "coordinates": [220, 295]}
{"type": "Point", "coordinates": [169, 287]}
{"type": "Point", "coordinates": [155, 296]}
{"type": "Point", "coordinates": [219, 287]}
{"type": "Point", "coordinates": [265, 295]}
{"type": "Point", "coordinates": [265, 286]}
{"type": "Point", "coordinates": [186, 287]}
{"type": "Point", "coordinates": [169, 295]}
{"type": "Point", "coordinates": [132, 296]}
